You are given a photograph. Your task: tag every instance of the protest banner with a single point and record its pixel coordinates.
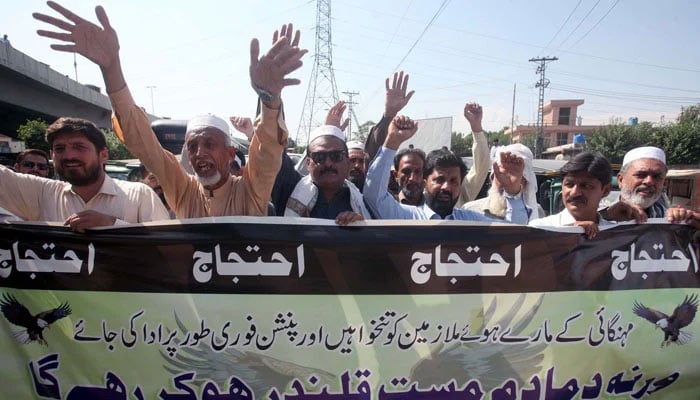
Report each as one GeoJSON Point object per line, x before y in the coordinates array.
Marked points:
{"type": "Point", "coordinates": [274, 308]}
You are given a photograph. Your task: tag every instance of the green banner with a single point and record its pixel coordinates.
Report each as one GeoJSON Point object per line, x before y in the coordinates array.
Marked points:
{"type": "Point", "coordinates": [379, 311]}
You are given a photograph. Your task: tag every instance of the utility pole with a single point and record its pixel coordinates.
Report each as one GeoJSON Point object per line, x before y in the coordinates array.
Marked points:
{"type": "Point", "coordinates": [322, 92]}
{"type": "Point", "coordinates": [351, 113]}
{"type": "Point", "coordinates": [512, 113]}
{"type": "Point", "coordinates": [153, 111]}
{"type": "Point", "coordinates": [542, 84]}
{"type": "Point", "coordinates": [75, 66]}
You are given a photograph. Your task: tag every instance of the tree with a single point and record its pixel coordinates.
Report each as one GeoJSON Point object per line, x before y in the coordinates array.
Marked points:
{"type": "Point", "coordinates": [461, 144]}
{"type": "Point", "coordinates": [117, 149]}
{"type": "Point", "coordinates": [681, 142]}
{"type": "Point", "coordinates": [33, 133]}
{"type": "Point", "coordinates": [613, 141]}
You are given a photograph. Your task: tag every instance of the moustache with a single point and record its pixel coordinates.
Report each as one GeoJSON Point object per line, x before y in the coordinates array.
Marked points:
{"type": "Point", "coordinates": [640, 188]}
{"type": "Point", "coordinates": [64, 162]}
{"type": "Point", "coordinates": [580, 199]}
{"type": "Point", "coordinates": [328, 169]}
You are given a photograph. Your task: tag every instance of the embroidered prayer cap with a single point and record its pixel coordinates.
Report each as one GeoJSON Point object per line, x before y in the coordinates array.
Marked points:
{"type": "Point", "coordinates": [326, 130]}
{"type": "Point", "coordinates": [356, 144]}
{"type": "Point", "coordinates": [209, 121]}
{"type": "Point", "coordinates": [644, 152]}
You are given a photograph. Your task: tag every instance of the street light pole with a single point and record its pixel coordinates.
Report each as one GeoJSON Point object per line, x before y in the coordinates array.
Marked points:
{"type": "Point", "coordinates": [153, 111]}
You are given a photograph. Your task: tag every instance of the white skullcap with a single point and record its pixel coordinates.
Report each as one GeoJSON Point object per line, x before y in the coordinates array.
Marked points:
{"type": "Point", "coordinates": [530, 190]}
{"type": "Point", "coordinates": [326, 130]}
{"type": "Point", "coordinates": [644, 152]}
{"type": "Point", "coordinates": [356, 144]}
{"type": "Point", "coordinates": [208, 121]}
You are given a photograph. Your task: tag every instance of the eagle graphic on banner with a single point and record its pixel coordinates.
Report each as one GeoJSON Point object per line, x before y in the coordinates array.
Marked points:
{"type": "Point", "coordinates": [682, 316]}
{"type": "Point", "coordinates": [18, 314]}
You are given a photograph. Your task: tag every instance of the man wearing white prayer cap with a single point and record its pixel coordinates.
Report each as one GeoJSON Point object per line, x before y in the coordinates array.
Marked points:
{"type": "Point", "coordinates": [214, 191]}
{"type": "Point", "coordinates": [358, 163]}
{"type": "Point", "coordinates": [494, 204]}
{"type": "Point", "coordinates": [326, 192]}
{"type": "Point", "coordinates": [641, 180]}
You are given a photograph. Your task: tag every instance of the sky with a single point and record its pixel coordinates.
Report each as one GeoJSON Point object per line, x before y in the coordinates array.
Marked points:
{"type": "Point", "coordinates": [181, 58]}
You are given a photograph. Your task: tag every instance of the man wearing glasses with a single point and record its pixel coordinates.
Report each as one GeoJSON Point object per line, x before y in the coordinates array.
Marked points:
{"type": "Point", "coordinates": [32, 161]}
{"type": "Point", "coordinates": [326, 192]}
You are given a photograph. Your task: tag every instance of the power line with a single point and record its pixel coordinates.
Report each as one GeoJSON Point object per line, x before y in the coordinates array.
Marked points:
{"type": "Point", "coordinates": [596, 24]}
{"type": "Point", "coordinates": [579, 24]}
{"type": "Point", "coordinates": [437, 13]}
{"type": "Point", "coordinates": [562, 25]}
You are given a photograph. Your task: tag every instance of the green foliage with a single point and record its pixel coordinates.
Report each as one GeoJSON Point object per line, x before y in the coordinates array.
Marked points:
{"type": "Point", "coordinates": [681, 142]}
{"type": "Point", "coordinates": [613, 141]}
{"type": "Point", "coordinates": [33, 134]}
{"type": "Point", "coordinates": [117, 149]}
{"type": "Point", "coordinates": [461, 144]}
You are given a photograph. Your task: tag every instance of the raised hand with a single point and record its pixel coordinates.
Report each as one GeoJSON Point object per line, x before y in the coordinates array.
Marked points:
{"type": "Point", "coordinates": [509, 172]}
{"type": "Point", "coordinates": [269, 71]}
{"type": "Point", "coordinates": [99, 45]}
{"type": "Point", "coordinates": [243, 125]}
{"type": "Point", "coordinates": [396, 97]}
{"type": "Point", "coordinates": [286, 31]}
{"type": "Point", "coordinates": [401, 129]}
{"type": "Point", "coordinates": [335, 114]}
{"type": "Point", "coordinates": [474, 114]}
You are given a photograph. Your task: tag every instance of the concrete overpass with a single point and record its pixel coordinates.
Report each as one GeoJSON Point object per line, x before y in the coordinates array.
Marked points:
{"type": "Point", "coordinates": [30, 89]}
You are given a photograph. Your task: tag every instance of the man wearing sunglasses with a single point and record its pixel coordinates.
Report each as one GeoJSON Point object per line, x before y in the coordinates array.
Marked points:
{"type": "Point", "coordinates": [326, 192]}
{"type": "Point", "coordinates": [32, 161]}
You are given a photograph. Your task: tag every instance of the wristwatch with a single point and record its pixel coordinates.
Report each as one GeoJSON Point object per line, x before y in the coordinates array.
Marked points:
{"type": "Point", "coordinates": [264, 95]}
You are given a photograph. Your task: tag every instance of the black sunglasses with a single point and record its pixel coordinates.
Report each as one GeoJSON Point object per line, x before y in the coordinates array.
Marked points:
{"type": "Point", "coordinates": [319, 157]}
{"type": "Point", "coordinates": [31, 164]}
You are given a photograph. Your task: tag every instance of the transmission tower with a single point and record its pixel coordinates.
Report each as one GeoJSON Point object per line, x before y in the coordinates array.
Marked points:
{"type": "Point", "coordinates": [542, 84]}
{"type": "Point", "coordinates": [351, 112]}
{"type": "Point", "coordinates": [322, 92]}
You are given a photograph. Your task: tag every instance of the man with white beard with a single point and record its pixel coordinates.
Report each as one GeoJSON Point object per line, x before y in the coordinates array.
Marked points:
{"type": "Point", "coordinates": [213, 191]}
{"type": "Point", "coordinates": [494, 204]}
{"type": "Point", "coordinates": [641, 180]}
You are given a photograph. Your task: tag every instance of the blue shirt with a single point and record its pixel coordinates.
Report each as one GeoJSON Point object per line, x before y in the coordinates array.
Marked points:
{"type": "Point", "coordinates": [384, 206]}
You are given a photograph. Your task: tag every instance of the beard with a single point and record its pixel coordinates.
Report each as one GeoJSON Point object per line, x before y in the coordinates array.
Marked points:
{"type": "Point", "coordinates": [358, 181]}
{"type": "Point", "coordinates": [209, 180]}
{"type": "Point", "coordinates": [441, 207]}
{"type": "Point", "coordinates": [75, 177]}
{"type": "Point", "coordinates": [496, 202]}
{"type": "Point", "coordinates": [634, 197]}
{"type": "Point", "coordinates": [412, 194]}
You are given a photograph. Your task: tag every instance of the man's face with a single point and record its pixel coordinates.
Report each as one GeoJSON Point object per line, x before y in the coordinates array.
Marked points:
{"type": "Point", "coordinates": [33, 164]}
{"type": "Point", "coordinates": [442, 189]}
{"type": "Point", "coordinates": [581, 193]}
{"type": "Point", "coordinates": [328, 162]}
{"type": "Point", "coordinates": [357, 162]}
{"type": "Point", "coordinates": [410, 176]}
{"type": "Point", "coordinates": [77, 160]}
{"type": "Point", "coordinates": [209, 155]}
{"type": "Point", "coordinates": [643, 181]}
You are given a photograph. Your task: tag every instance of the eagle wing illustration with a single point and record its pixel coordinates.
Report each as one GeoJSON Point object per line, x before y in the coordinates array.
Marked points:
{"type": "Point", "coordinates": [685, 312]}
{"type": "Point", "coordinates": [647, 313]}
{"type": "Point", "coordinates": [57, 313]}
{"type": "Point", "coordinates": [16, 312]}
{"type": "Point", "coordinates": [489, 363]}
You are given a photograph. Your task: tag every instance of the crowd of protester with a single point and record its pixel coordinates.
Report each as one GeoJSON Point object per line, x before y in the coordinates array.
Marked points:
{"type": "Point", "coordinates": [381, 178]}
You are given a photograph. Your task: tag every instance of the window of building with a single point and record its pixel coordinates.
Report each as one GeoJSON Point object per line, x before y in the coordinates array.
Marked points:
{"type": "Point", "coordinates": [562, 138]}
{"type": "Point", "coordinates": [564, 115]}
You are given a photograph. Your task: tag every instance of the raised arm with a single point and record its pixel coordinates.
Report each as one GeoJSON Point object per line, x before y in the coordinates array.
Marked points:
{"type": "Point", "coordinates": [472, 183]}
{"type": "Point", "coordinates": [375, 193]}
{"type": "Point", "coordinates": [395, 100]}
